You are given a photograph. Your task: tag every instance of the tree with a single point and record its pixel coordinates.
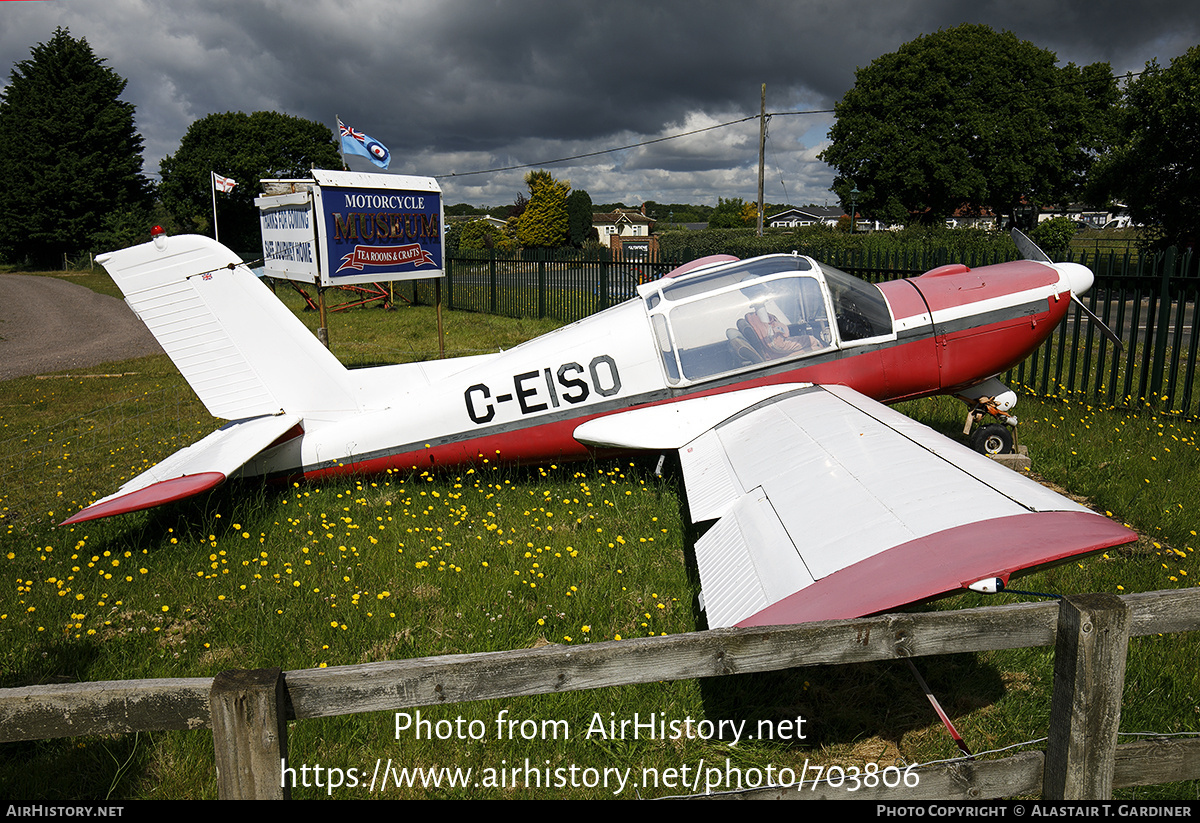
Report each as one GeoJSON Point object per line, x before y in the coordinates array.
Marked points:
{"type": "Point", "coordinates": [476, 235]}
{"type": "Point", "coordinates": [69, 152]}
{"type": "Point", "coordinates": [1053, 236]}
{"type": "Point", "coordinates": [1153, 168]}
{"type": "Point", "coordinates": [247, 148]}
{"type": "Point", "coordinates": [968, 117]}
{"type": "Point", "coordinates": [729, 214]}
{"type": "Point", "coordinates": [544, 221]}
{"type": "Point", "coordinates": [579, 218]}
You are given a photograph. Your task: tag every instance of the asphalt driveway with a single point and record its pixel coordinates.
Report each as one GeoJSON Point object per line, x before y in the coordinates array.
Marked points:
{"type": "Point", "coordinates": [48, 324]}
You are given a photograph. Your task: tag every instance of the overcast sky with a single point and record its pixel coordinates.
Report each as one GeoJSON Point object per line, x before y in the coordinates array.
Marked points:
{"type": "Point", "coordinates": [456, 86]}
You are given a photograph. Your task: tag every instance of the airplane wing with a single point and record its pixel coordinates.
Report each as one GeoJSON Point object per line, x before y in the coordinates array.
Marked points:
{"type": "Point", "coordinates": [195, 469]}
{"type": "Point", "coordinates": [830, 505]}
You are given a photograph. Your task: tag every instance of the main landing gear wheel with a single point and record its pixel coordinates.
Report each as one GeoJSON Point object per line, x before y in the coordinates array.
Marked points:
{"type": "Point", "coordinates": [992, 439]}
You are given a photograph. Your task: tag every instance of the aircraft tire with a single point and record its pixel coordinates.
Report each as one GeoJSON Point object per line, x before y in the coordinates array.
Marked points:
{"type": "Point", "coordinates": [992, 439]}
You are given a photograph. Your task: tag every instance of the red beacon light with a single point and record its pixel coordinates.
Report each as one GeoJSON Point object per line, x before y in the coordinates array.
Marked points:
{"type": "Point", "coordinates": [159, 235]}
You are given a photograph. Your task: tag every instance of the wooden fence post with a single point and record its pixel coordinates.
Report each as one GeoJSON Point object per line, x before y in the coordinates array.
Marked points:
{"type": "Point", "coordinates": [1091, 646]}
{"type": "Point", "coordinates": [249, 734]}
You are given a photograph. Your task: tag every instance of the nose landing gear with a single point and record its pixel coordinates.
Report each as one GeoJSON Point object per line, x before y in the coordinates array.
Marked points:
{"type": "Point", "coordinates": [994, 438]}
{"type": "Point", "coordinates": [990, 399]}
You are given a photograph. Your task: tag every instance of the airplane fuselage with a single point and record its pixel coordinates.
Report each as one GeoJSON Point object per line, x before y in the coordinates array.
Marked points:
{"type": "Point", "coordinates": [942, 332]}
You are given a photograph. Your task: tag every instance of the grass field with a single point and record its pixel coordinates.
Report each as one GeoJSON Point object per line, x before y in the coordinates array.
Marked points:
{"type": "Point", "coordinates": [494, 558]}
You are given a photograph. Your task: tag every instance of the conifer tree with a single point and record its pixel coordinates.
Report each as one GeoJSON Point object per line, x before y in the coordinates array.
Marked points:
{"type": "Point", "coordinates": [70, 155]}
{"type": "Point", "coordinates": [544, 221]}
{"type": "Point", "coordinates": [579, 218]}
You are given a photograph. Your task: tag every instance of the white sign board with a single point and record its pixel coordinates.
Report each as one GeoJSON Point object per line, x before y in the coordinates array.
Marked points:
{"type": "Point", "coordinates": [289, 237]}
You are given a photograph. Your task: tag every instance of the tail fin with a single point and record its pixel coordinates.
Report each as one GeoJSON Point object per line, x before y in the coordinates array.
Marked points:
{"type": "Point", "coordinates": [241, 350]}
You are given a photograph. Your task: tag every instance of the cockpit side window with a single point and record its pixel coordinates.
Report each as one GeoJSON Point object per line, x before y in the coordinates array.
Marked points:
{"type": "Point", "coordinates": [859, 306]}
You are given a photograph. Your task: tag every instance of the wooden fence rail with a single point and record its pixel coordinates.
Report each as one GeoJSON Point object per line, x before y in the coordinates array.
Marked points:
{"type": "Point", "coordinates": [248, 711]}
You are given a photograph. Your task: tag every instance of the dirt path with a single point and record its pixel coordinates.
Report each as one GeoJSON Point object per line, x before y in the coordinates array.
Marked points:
{"type": "Point", "coordinates": [48, 324]}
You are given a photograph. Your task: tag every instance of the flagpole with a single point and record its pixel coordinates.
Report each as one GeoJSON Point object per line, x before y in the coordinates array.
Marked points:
{"type": "Point", "coordinates": [341, 150]}
{"type": "Point", "coordinates": [212, 184]}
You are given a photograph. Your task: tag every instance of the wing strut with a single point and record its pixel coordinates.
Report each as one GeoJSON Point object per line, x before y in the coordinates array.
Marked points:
{"type": "Point", "coordinates": [937, 707]}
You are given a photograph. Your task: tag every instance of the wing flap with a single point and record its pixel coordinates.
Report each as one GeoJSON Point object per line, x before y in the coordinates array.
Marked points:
{"type": "Point", "coordinates": [747, 561]}
{"type": "Point", "coordinates": [195, 469]}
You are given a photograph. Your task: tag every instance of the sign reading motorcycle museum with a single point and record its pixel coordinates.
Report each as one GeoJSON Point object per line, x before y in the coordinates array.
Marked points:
{"type": "Point", "coordinates": [345, 227]}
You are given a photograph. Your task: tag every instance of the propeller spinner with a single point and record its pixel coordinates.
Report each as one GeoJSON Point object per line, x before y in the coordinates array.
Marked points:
{"type": "Point", "coordinates": [1080, 278]}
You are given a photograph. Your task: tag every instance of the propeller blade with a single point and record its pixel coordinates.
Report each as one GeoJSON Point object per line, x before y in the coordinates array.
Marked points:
{"type": "Point", "coordinates": [1027, 248]}
{"type": "Point", "coordinates": [1109, 333]}
{"type": "Point", "coordinates": [1030, 251]}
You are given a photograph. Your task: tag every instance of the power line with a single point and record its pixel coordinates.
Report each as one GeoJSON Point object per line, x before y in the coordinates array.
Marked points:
{"type": "Point", "coordinates": [623, 148]}
{"type": "Point", "coordinates": [1002, 92]}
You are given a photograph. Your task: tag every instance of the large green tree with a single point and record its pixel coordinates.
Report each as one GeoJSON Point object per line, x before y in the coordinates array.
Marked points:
{"type": "Point", "coordinates": [1154, 168]}
{"type": "Point", "coordinates": [968, 117]}
{"type": "Point", "coordinates": [544, 221]}
{"type": "Point", "coordinates": [247, 148]}
{"type": "Point", "coordinates": [70, 155]}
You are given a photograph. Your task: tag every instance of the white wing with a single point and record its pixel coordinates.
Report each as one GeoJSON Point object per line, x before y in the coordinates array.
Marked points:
{"type": "Point", "coordinates": [831, 505]}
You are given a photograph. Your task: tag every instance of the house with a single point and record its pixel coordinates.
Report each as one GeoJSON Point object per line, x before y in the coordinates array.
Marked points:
{"type": "Point", "coordinates": [494, 222]}
{"type": "Point", "coordinates": [808, 216]}
{"type": "Point", "coordinates": [624, 223]}
{"type": "Point", "coordinates": [968, 217]}
{"type": "Point", "coordinates": [1115, 216]}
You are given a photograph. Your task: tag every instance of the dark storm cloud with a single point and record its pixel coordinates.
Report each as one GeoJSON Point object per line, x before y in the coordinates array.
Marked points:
{"type": "Point", "coordinates": [460, 85]}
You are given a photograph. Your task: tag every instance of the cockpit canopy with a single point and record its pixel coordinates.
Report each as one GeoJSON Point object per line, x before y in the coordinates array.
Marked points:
{"type": "Point", "coordinates": [738, 315]}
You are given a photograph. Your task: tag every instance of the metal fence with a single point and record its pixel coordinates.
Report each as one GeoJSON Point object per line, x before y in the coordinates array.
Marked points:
{"type": "Point", "coordinates": [562, 285]}
{"type": "Point", "coordinates": [1150, 302]}
{"type": "Point", "coordinates": [1148, 299]}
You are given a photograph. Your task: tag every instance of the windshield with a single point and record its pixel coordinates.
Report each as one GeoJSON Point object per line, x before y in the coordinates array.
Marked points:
{"type": "Point", "coordinates": [740, 315]}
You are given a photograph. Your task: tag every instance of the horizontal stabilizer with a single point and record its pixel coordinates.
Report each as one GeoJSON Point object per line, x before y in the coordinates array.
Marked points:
{"type": "Point", "coordinates": [195, 469]}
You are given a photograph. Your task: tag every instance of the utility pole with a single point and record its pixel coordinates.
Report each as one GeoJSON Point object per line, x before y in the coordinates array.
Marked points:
{"type": "Point", "coordinates": [762, 150]}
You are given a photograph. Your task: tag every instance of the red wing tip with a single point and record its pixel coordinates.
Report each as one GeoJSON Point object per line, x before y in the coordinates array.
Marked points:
{"type": "Point", "coordinates": [157, 494]}
{"type": "Point", "coordinates": [939, 563]}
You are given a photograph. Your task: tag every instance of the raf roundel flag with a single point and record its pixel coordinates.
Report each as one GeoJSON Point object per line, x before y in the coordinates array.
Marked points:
{"type": "Point", "coordinates": [355, 142]}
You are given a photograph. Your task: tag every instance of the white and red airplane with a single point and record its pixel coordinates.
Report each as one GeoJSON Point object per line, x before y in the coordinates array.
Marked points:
{"type": "Point", "coordinates": [767, 375]}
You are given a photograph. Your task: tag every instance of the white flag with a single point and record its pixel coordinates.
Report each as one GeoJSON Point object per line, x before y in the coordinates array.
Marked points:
{"type": "Point", "coordinates": [223, 184]}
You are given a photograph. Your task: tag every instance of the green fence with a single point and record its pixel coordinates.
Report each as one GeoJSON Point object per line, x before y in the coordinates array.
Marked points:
{"type": "Point", "coordinates": [538, 283]}
{"type": "Point", "coordinates": [1148, 299]}
{"type": "Point", "coordinates": [1150, 302]}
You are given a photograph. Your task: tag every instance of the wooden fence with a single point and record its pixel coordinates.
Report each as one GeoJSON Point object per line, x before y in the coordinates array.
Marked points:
{"type": "Point", "coordinates": [248, 711]}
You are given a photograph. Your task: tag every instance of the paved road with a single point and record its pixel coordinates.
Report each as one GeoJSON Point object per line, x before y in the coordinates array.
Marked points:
{"type": "Point", "coordinates": [48, 324]}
